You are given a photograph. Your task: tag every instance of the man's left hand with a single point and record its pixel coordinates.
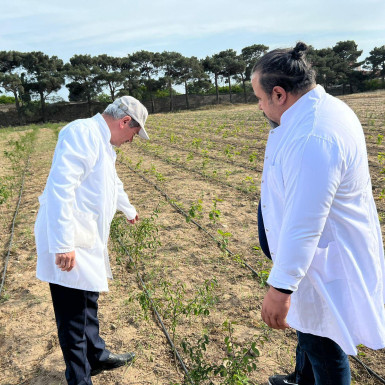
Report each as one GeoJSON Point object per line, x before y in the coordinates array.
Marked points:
{"type": "Point", "coordinates": [275, 307]}
{"type": "Point", "coordinates": [132, 221]}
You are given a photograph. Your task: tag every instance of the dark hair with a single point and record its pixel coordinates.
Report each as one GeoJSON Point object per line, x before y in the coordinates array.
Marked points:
{"type": "Point", "coordinates": [133, 123]}
{"type": "Point", "coordinates": [286, 68]}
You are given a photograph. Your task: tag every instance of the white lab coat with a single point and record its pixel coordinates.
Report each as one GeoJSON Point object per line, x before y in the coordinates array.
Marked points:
{"type": "Point", "coordinates": [322, 224]}
{"type": "Point", "coordinates": [77, 206]}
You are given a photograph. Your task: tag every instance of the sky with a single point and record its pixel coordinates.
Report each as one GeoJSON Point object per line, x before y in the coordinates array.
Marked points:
{"type": "Point", "coordinates": [193, 28]}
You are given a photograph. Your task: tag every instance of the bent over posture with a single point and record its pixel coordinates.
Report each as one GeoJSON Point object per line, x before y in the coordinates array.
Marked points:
{"type": "Point", "coordinates": [321, 222]}
{"type": "Point", "coordinates": [81, 196]}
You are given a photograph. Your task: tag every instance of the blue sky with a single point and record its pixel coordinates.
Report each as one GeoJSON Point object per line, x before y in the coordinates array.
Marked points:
{"type": "Point", "coordinates": [193, 28]}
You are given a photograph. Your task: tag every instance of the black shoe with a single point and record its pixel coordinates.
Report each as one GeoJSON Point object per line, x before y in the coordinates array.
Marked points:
{"type": "Point", "coordinates": [279, 379]}
{"type": "Point", "coordinates": [114, 361]}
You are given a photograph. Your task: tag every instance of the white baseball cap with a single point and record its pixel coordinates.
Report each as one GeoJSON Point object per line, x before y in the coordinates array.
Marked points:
{"type": "Point", "coordinates": [134, 108]}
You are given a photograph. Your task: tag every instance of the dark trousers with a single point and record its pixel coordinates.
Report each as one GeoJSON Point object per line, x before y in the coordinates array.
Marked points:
{"type": "Point", "coordinates": [320, 361]}
{"type": "Point", "coordinates": [76, 313]}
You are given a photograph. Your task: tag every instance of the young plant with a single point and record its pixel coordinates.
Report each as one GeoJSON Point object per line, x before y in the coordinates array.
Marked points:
{"type": "Point", "coordinates": [223, 239]}
{"type": "Point", "coordinates": [136, 238]}
{"type": "Point", "coordinates": [237, 364]}
{"type": "Point", "coordinates": [215, 213]}
{"type": "Point", "coordinates": [195, 211]}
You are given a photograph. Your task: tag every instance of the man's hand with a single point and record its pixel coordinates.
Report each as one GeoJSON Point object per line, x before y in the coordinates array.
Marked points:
{"type": "Point", "coordinates": [65, 261]}
{"type": "Point", "coordinates": [132, 221]}
{"type": "Point", "coordinates": [275, 307]}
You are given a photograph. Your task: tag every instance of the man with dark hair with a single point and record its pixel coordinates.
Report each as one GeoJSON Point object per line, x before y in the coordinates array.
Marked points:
{"type": "Point", "coordinates": [81, 196]}
{"type": "Point", "coordinates": [321, 222]}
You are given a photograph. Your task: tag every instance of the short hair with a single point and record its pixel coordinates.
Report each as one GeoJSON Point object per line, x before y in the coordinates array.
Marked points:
{"type": "Point", "coordinates": [287, 68]}
{"type": "Point", "coordinates": [115, 112]}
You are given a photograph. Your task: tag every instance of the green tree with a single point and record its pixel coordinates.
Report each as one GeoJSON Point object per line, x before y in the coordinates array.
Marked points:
{"type": "Point", "coordinates": [110, 73]}
{"type": "Point", "coordinates": [214, 65]}
{"type": "Point", "coordinates": [10, 76]}
{"type": "Point", "coordinates": [167, 62]}
{"type": "Point", "coordinates": [188, 69]}
{"type": "Point", "coordinates": [377, 62]}
{"type": "Point", "coordinates": [325, 62]}
{"type": "Point", "coordinates": [250, 55]}
{"type": "Point", "coordinates": [348, 53]}
{"type": "Point", "coordinates": [231, 66]}
{"type": "Point", "coordinates": [84, 85]}
{"type": "Point", "coordinates": [44, 76]}
{"type": "Point", "coordinates": [147, 63]}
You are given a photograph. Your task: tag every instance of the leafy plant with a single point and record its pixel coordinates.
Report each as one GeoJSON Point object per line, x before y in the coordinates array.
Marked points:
{"type": "Point", "coordinates": [223, 238]}
{"type": "Point", "coordinates": [238, 363]}
{"type": "Point", "coordinates": [195, 210]}
{"type": "Point", "coordinates": [143, 235]}
{"type": "Point", "coordinates": [215, 213]}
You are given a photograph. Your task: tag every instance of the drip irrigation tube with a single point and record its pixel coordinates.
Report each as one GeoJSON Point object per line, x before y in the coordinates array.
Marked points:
{"type": "Point", "coordinates": [202, 174]}
{"type": "Point", "coordinates": [13, 227]}
{"type": "Point", "coordinates": [157, 314]}
{"type": "Point", "coordinates": [370, 371]}
{"type": "Point", "coordinates": [171, 202]}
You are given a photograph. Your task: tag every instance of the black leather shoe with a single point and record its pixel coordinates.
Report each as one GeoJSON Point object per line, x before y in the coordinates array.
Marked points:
{"type": "Point", "coordinates": [114, 361]}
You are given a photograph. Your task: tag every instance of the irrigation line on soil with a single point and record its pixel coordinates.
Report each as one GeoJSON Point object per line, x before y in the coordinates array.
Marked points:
{"type": "Point", "coordinates": [13, 226]}
{"type": "Point", "coordinates": [171, 202]}
{"type": "Point", "coordinates": [229, 161]}
{"type": "Point", "coordinates": [202, 174]}
{"type": "Point", "coordinates": [370, 371]}
{"type": "Point", "coordinates": [157, 314]}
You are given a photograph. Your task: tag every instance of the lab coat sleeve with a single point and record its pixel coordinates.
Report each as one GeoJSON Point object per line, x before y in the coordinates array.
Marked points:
{"type": "Point", "coordinates": [123, 203]}
{"type": "Point", "coordinates": [312, 173]}
{"type": "Point", "coordinates": [75, 156]}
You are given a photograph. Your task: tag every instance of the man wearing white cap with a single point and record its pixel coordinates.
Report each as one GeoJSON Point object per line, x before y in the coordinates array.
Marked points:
{"type": "Point", "coordinates": [81, 196]}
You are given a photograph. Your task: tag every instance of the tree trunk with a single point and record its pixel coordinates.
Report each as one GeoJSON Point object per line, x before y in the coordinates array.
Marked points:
{"type": "Point", "coordinates": [171, 101]}
{"type": "Point", "coordinates": [244, 88]}
{"type": "Point", "coordinates": [230, 89]}
{"type": "Point", "coordinates": [43, 110]}
{"type": "Point", "coordinates": [18, 109]}
{"type": "Point", "coordinates": [216, 87]}
{"type": "Point", "coordinates": [89, 104]}
{"type": "Point", "coordinates": [187, 101]}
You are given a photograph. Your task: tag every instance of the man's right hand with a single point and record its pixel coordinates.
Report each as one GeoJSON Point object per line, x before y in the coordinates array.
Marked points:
{"type": "Point", "coordinates": [65, 261]}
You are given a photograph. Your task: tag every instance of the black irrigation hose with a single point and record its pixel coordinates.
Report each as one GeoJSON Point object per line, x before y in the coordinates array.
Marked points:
{"type": "Point", "coordinates": [173, 163]}
{"type": "Point", "coordinates": [157, 314]}
{"type": "Point", "coordinates": [228, 161]}
{"type": "Point", "coordinates": [13, 226]}
{"type": "Point", "coordinates": [171, 202]}
{"type": "Point", "coordinates": [370, 371]}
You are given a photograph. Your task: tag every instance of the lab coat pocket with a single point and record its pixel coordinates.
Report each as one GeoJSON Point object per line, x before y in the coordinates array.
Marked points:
{"type": "Point", "coordinates": [86, 229]}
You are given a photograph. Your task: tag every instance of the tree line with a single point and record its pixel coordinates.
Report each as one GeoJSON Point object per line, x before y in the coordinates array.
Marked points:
{"type": "Point", "coordinates": [30, 76]}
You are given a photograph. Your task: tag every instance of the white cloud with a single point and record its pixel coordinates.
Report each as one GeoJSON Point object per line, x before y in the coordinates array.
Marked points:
{"type": "Point", "coordinates": [116, 26]}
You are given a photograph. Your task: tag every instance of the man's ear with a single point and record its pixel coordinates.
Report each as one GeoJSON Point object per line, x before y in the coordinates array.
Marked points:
{"type": "Point", "coordinates": [123, 121]}
{"type": "Point", "coordinates": [279, 95]}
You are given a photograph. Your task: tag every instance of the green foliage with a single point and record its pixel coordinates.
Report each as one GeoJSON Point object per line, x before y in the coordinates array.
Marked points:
{"type": "Point", "coordinates": [5, 189]}
{"type": "Point", "coordinates": [4, 99]}
{"type": "Point", "coordinates": [195, 210]}
{"type": "Point", "coordinates": [223, 239]}
{"type": "Point", "coordinates": [215, 213]}
{"type": "Point", "coordinates": [137, 238]}
{"type": "Point", "coordinates": [238, 363]}
{"type": "Point", "coordinates": [104, 98]}
{"type": "Point", "coordinates": [169, 300]}
{"type": "Point", "coordinates": [17, 154]}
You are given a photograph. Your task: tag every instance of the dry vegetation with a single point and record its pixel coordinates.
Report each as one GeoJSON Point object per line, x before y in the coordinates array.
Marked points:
{"type": "Point", "coordinates": [209, 163]}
